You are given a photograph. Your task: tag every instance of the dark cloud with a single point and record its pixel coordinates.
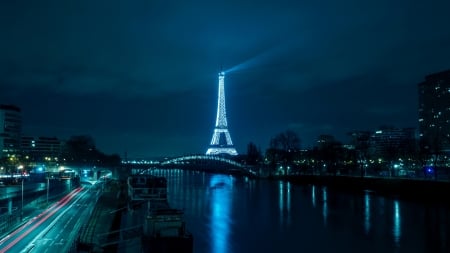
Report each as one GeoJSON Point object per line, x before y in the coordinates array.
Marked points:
{"type": "Point", "coordinates": [141, 75]}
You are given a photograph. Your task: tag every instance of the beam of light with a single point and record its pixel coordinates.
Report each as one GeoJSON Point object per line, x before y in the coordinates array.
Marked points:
{"type": "Point", "coordinates": [59, 205]}
{"type": "Point", "coordinates": [257, 60]}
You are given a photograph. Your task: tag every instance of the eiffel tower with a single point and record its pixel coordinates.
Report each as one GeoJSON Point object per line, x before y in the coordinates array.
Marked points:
{"type": "Point", "coordinates": [221, 140]}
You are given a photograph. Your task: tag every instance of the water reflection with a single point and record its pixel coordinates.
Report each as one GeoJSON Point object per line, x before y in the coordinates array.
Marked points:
{"type": "Point", "coordinates": [252, 217]}
{"type": "Point", "coordinates": [284, 204]}
{"type": "Point", "coordinates": [220, 186]}
{"type": "Point", "coordinates": [325, 206]}
{"type": "Point", "coordinates": [367, 212]}
{"type": "Point", "coordinates": [313, 195]}
{"type": "Point", "coordinates": [397, 224]}
{"type": "Point", "coordinates": [281, 200]}
{"type": "Point", "coordinates": [288, 198]}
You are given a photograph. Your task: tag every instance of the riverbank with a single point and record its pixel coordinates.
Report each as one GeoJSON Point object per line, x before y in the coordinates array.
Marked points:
{"type": "Point", "coordinates": [423, 190]}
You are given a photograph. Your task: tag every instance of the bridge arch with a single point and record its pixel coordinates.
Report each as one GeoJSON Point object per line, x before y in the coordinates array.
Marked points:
{"type": "Point", "coordinates": [208, 163]}
{"type": "Point", "coordinates": [199, 159]}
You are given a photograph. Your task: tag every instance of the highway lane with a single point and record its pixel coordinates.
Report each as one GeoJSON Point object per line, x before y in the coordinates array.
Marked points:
{"type": "Point", "coordinates": [60, 236]}
{"type": "Point", "coordinates": [54, 229]}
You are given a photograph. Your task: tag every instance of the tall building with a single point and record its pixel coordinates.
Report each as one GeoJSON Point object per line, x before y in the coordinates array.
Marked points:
{"type": "Point", "coordinates": [387, 141]}
{"type": "Point", "coordinates": [434, 112]}
{"type": "Point", "coordinates": [10, 130]}
{"type": "Point", "coordinates": [360, 140]}
{"type": "Point", "coordinates": [221, 140]}
{"type": "Point", "coordinates": [38, 149]}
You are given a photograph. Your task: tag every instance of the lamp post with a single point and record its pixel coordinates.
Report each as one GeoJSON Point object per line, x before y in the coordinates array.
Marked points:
{"type": "Point", "coordinates": [21, 210]}
{"type": "Point", "coordinates": [48, 186]}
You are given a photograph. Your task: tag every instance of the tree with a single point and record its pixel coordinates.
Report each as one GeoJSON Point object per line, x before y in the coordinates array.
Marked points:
{"type": "Point", "coordinates": [286, 141]}
{"type": "Point", "coordinates": [330, 152]}
{"type": "Point", "coordinates": [282, 149]}
{"type": "Point", "coordinates": [253, 154]}
{"type": "Point", "coordinates": [81, 151]}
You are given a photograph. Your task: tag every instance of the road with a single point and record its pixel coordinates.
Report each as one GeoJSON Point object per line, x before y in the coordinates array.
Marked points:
{"type": "Point", "coordinates": [54, 229]}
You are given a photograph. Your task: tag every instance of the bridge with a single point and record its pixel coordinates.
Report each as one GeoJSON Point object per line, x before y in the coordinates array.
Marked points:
{"type": "Point", "coordinates": [207, 163]}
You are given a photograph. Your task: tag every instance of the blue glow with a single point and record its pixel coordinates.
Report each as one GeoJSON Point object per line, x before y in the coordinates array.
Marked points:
{"type": "Point", "coordinates": [367, 213]}
{"type": "Point", "coordinates": [396, 230]}
{"type": "Point", "coordinates": [221, 186]}
{"type": "Point", "coordinates": [325, 206]}
{"type": "Point", "coordinates": [284, 189]}
{"type": "Point", "coordinates": [288, 197]}
{"type": "Point", "coordinates": [280, 198]}
{"type": "Point", "coordinates": [313, 195]}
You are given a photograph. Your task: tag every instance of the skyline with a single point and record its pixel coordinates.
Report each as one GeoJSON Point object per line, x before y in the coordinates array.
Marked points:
{"type": "Point", "coordinates": [142, 77]}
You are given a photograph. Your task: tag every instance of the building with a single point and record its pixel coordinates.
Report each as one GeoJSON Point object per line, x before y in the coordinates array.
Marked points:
{"type": "Point", "coordinates": [10, 131]}
{"type": "Point", "coordinates": [326, 140]}
{"type": "Point", "coordinates": [41, 149]}
{"type": "Point", "coordinates": [434, 112]}
{"type": "Point", "coordinates": [392, 142]}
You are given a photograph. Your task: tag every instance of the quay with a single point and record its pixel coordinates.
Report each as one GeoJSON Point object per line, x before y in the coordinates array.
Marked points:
{"type": "Point", "coordinates": [135, 216]}
{"type": "Point", "coordinates": [405, 188]}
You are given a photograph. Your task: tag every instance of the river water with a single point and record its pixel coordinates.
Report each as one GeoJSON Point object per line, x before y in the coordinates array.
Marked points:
{"type": "Point", "coordinates": [236, 214]}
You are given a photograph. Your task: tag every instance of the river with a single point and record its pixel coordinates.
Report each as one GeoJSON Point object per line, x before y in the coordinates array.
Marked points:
{"type": "Point", "coordinates": [236, 214]}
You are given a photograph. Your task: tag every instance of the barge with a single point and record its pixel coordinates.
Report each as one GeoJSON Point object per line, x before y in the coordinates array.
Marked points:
{"type": "Point", "coordinates": [164, 228]}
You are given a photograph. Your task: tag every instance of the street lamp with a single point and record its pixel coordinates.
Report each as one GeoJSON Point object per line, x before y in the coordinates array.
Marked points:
{"type": "Point", "coordinates": [21, 210]}
{"type": "Point", "coordinates": [48, 186]}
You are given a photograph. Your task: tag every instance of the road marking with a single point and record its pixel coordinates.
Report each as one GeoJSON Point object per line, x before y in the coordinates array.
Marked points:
{"type": "Point", "coordinates": [56, 219]}
{"type": "Point", "coordinates": [49, 214]}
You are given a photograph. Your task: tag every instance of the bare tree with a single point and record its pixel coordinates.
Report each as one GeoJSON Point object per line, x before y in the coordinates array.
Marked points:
{"type": "Point", "coordinates": [283, 148]}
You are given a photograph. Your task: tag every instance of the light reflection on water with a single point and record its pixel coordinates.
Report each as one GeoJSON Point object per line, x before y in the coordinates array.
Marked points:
{"type": "Point", "coordinates": [396, 231]}
{"type": "Point", "coordinates": [367, 212]}
{"type": "Point", "coordinates": [220, 189]}
{"type": "Point", "coordinates": [280, 200]}
{"type": "Point", "coordinates": [313, 195]}
{"type": "Point", "coordinates": [232, 214]}
{"type": "Point", "coordinates": [325, 205]}
{"type": "Point", "coordinates": [284, 202]}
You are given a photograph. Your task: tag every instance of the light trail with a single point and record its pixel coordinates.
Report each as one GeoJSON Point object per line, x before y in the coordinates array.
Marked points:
{"type": "Point", "coordinates": [52, 224]}
{"type": "Point", "coordinates": [50, 212]}
{"type": "Point", "coordinates": [37, 217]}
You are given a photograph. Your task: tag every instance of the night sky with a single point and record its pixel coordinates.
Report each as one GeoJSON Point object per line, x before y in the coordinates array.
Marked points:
{"type": "Point", "coordinates": [141, 76]}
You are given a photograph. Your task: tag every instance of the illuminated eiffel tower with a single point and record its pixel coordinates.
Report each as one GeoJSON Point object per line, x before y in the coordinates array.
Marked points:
{"type": "Point", "coordinates": [221, 140]}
